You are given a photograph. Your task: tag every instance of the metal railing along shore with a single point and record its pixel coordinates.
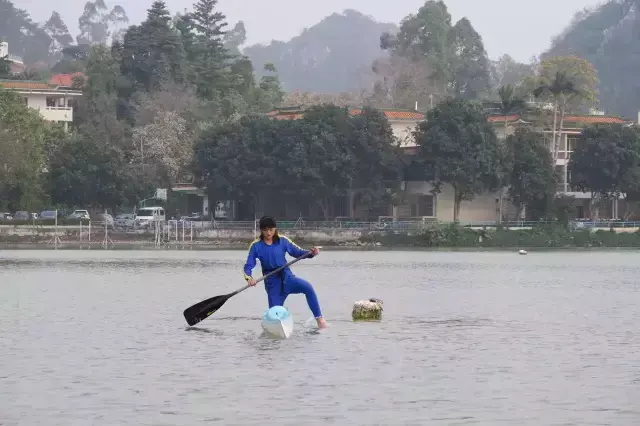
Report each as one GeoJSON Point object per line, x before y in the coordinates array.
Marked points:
{"type": "Point", "coordinates": [400, 224]}
{"type": "Point", "coordinates": [380, 225]}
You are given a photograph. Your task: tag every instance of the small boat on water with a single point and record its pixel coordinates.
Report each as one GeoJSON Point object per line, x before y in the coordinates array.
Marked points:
{"type": "Point", "coordinates": [278, 322]}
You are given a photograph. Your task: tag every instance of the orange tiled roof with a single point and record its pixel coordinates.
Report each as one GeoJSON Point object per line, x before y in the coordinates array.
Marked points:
{"type": "Point", "coordinates": [594, 119]}
{"type": "Point", "coordinates": [286, 116]}
{"type": "Point", "coordinates": [28, 85]}
{"type": "Point", "coordinates": [418, 116]}
{"type": "Point", "coordinates": [65, 79]}
{"type": "Point", "coordinates": [585, 119]}
{"type": "Point", "coordinates": [390, 114]}
{"type": "Point", "coordinates": [395, 114]}
{"type": "Point", "coordinates": [501, 118]}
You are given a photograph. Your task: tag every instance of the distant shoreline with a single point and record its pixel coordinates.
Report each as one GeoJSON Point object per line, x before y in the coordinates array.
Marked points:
{"type": "Point", "coordinates": [132, 246]}
{"type": "Point", "coordinates": [434, 238]}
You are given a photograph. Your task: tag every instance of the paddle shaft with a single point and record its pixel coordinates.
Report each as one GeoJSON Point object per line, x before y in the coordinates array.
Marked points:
{"type": "Point", "coordinates": [275, 271]}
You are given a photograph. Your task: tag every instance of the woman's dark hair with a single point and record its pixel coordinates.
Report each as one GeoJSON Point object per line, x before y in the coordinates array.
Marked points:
{"type": "Point", "coordinates": [268, 222]}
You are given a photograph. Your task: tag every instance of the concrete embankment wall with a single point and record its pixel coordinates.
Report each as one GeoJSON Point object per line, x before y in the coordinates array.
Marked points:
{"type": "Point", "coordinates": [337, 235]}
{"type": "Point", "coordinates": [240, 238]}
{"type": "Point", "coordinates": [21, 233]}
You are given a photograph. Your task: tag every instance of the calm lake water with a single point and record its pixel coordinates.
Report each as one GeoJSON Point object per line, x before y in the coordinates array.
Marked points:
{"type": "Point", "coordinates": [98, 338]}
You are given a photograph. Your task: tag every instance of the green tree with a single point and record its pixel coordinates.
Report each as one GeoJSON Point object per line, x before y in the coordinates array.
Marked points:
{"type": "Point", "coordinates": [23, 136]}
{"type": "Point", "coordinates": [326, 155]}
{"type": "Point", "coordinates": [94, 167]}
{"type": "Point", "coordinates": [235, 38]}
{"type": "Point", "coordinates": [469, 75]}
{"type": "Point", "coordinates": [330, 162]}
{"type": "Point", "coordinates": [184, 25]}
{"type": "Point", "coordinates": [236, 161]}
{"type": "Point", "coordinates": [60, 36]}
{"type": "Point", "coordinates": [454, 56]}
{"type": "Point", "coordinates": [208, 52]}
{"type": "Point", "coordinates": [5, 67]}
{"type": "Point", "coordinates": [269, 94]}
{"type": "Point", "coordinates": [570, 83]}
{"type": "Point", "coordinates": [459, 147]}
{"type": "Point", "coordinates": [510, 101]}
{"type": "Point", "coordinates": [152, 53]}
{"type": "Point", "coordinates": [378, 168]}
{"type": "Point", "coordinates": [532, 179]}
{"type": "Point", "coordinates": [97, 23]}
{"type": "Point", "coordinates": [74, 59]}
{"type": "Point", "coordinates": [424, 36]}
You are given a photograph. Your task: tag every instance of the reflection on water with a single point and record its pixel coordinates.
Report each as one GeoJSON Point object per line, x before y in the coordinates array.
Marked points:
{"type": "Point", "coordinates": [98, 337]}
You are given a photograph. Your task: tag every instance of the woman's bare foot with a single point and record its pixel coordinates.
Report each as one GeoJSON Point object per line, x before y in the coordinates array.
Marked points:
{"type": "Point", "coordinates": [321, 322]}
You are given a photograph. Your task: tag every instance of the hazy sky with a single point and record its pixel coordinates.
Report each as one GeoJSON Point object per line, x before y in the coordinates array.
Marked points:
{"type": "Point", "coordinates": [521, 28]}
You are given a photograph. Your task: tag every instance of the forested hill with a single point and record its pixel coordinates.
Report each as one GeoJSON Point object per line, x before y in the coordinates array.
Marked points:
{"type": "Point", "coordinates": [334, 55]}
{"type": "Point", "coordinates": [607, 36]}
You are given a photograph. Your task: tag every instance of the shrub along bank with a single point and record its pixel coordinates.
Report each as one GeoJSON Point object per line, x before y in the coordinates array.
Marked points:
{"type": "Point", "coordinates": [538, 237]}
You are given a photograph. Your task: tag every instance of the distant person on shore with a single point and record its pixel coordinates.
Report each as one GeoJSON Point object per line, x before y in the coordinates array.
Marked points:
{"type": "Point", "coordinates": [271, 249]}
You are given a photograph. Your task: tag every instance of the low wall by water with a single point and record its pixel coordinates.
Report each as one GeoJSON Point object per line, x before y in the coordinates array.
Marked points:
{"type": "Point", "coordinates": [42, 236]}
{"type": "Point", "coordinates": [27, 233]}
{"type": "Point", "coordinates": [337, 235]}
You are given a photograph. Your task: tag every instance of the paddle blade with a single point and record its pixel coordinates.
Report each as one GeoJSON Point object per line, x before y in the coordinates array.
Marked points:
{"type": "Point", "coordinates": [196, 313]}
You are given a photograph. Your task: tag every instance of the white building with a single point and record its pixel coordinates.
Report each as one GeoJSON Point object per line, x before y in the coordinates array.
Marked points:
{"type": "Point", "coordinates": [54, 102]}
{"type": "Point", "coordinates": [17, 64]}
{"type": "Point", "coordinates": [568, 136]}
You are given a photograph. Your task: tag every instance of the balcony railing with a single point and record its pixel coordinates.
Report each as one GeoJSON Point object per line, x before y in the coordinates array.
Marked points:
{"type": "Point", "coordinates": [57, 113]}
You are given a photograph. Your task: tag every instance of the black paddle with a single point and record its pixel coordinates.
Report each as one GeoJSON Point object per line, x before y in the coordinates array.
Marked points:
{"type": "Point", "coordinates": [196, 313]}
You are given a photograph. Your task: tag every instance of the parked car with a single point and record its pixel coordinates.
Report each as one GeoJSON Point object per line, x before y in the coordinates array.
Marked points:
{"type": "Point", "coordinates": [100, 218]}
{"type": "Point", "coordinates": [147, 215]}
{"type": "Point", "coordinates": [6, 216]}
{"type": "Point", "coordinates": [193, 217]}
{"type": "Point", "coordinates": [47, 215]}
{"type": "Point", "coordinates": [22, 215]}
{"type": "Point", "coordinates": [79, 215]}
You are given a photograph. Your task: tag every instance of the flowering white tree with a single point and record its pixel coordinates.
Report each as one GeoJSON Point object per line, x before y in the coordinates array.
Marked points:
{"type": "Point", "coordinates": [164, 147]}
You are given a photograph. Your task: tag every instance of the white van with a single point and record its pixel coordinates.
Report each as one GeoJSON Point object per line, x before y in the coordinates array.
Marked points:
{"type": "Point", "coordinates": [146, 215]}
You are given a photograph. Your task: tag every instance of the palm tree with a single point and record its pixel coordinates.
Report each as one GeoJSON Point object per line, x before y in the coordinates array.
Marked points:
{"type": "Point", "coordinates": [562, 88]}
{"type": "Point", "coordinates": [509, 101]}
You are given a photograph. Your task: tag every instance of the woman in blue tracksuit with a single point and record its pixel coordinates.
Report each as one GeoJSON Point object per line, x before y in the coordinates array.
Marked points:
{"type": "Point", "coordinates": [271, 249]}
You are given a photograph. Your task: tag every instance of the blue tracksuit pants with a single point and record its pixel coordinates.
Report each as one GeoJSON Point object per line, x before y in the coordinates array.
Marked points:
{"type": "Point", "coordinates": [292, 285]}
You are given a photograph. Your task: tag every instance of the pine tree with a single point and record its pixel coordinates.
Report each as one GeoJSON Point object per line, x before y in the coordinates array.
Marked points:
{"type": "Point", "coordinates": [152, 52]}
{"type": "Point", "coordinates": [210, 56]}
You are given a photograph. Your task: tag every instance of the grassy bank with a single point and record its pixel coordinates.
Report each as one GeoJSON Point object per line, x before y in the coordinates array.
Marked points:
{"type": "Point", "coordinates": [454, 236]}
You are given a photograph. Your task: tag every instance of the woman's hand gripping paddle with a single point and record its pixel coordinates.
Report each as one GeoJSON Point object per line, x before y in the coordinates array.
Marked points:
{"type": "Point", "coordinates": [196, 313]}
